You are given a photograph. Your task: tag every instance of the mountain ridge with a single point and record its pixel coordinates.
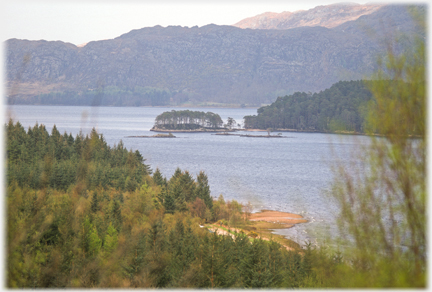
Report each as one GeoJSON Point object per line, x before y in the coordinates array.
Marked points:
{"type": "Point", "coordinates": [222, 64]}
{"type": "Point", "coordinates": [324, 15]}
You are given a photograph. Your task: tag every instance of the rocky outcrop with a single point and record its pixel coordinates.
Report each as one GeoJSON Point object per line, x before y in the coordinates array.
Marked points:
{"type": "Point", "coordinates": [326, 16]}
{"type": "Point", "coordinates": [212, 63]}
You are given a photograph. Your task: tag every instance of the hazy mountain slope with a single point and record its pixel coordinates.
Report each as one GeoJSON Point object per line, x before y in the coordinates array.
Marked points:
{"type": "Point", "coordinates": [211, 63]}
{"type": "Point", "coordinates": [327, 16]}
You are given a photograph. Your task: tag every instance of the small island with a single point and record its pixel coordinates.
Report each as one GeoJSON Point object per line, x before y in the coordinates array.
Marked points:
{"type": "Point", "coordinates": [187, 121]}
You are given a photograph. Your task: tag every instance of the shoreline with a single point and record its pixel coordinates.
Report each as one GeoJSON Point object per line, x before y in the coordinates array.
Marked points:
{"type": "Point", "coordinates": [261, 225]}
{"type": "Point", "coordinates": [154, 136]}
{"type": "Point", "coordinates": [284, 219]}
{"type": "Point", "coordinates": [200, 130]}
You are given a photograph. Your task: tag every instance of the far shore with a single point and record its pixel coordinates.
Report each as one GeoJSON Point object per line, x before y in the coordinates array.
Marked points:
{"type": "Point", "coordinates": [209, 130]}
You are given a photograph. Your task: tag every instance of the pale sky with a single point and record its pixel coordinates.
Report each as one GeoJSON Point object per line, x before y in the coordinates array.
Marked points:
{"type": "Point", "coordinates": [81, 21]}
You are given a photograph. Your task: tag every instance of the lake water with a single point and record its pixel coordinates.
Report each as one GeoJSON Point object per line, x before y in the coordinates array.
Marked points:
{"type": "Point", "coordinates": [290, 175]}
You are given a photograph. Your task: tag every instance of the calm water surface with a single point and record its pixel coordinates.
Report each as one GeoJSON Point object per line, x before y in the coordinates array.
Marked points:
{"type": "Point", "coordinates": [289, 174]}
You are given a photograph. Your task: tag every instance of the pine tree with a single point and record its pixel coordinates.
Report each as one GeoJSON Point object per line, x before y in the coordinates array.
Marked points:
{"type": "Point", "coordinates": [158, 259]}
{"type": "Point", "coordinates": [177, 174]}
{"type": "Point", "coordinates": [157, 178]}
{"type": "Point", "coordinates": [169, 204]}
{"type": "Point", "coordinates": [293, 271]}
{"type": "Point", "coordinates": [116, 216]}
{"type": "Point", "coordinates": [138, 260]}
{"type": "Point", "coordinates": [203, 189]}
{"type": "Point", "coordinates": [187, 184]}
{"type": "Point", "coordinates": [180, 204]}
{"type": "Point", "coordinates": [111, 240]}
{"type": "Point", "coordinates": [94, 242]}
{"type": "Point", "coordinates": [94, 203]}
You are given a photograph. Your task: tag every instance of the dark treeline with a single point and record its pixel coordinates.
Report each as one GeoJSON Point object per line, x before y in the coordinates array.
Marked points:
{"type": "Point", "coordinates": [108, 96]}
{"type": "Point", "coordinates": [188, 120]}
{"type": "Point", "coordinates": [83, 214]}
{"type": "Point", "coordinates": [341, 107]}
{"type": "Point", "coordinates": [39, 160]}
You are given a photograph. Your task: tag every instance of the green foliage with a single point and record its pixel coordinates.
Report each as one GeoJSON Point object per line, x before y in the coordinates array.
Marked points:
{"type": "Point", "coordinates": [95, 203]}
{"type": "Point", "coordinates": [339, 108]}
{"type": "Point", "coordinates": [157, 178]}
{"type": "Point", "coordinates": [187, 120]}
{"type": "Point", "coordinates": [111, 240]}
{"type": "Point", "coordinates": [88, 254]}
{"type": "Point", "coordinates": [108, 237]}
{"type": "Point", "coordinates": [169, 204]}
{"type": "Point", "coordinates": [383, 209]}
{"type": "Point", "coordinates": [40, 160]}
{"type": "Point", "coordinates": [230, 123]}
{"type": "Point", "coordinates": [202, 190]}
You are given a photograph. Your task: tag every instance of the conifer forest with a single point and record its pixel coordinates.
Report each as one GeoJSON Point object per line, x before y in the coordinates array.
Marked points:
{"type": "Point", "coordinates": [84, 214]}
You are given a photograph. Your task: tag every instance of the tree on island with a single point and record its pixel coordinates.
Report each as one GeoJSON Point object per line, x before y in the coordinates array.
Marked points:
{"type": "Point", "coordinates": [188, 120]}
{"type": "Point", "coordinates": [230, 123]}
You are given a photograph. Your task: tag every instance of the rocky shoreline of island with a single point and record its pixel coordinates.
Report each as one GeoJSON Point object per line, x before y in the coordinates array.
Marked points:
{"type": "Point", "coordinates": [154, 136]}
{"type": "Point", "coordinates": [199, 130]}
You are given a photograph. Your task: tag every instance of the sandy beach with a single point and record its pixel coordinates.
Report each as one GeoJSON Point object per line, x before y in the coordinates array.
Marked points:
{"type": "Point", "coordinates": [286, 220]}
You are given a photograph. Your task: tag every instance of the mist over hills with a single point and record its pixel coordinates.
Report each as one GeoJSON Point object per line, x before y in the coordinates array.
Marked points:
{"type": "Point", "coordinates": [199, 65]}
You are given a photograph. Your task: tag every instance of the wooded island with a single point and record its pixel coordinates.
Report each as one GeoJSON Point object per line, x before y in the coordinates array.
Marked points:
{"type": "Point", "coordinates": [187, 120]}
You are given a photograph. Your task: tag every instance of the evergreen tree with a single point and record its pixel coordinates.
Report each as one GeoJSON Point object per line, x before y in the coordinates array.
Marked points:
{"type": "Point", "coordinates": [138, 261]}
{"type": "Point", "coordinates": [94, 242]}
{"type": "Point", "coordinates": [94, 203]}
{"type": "Point", "coordinates": [202, 190]}
{"type": "Point", "coordinates": [116, 217]}
{"type": "Point", "coordinates": [111, 240]}
{"type": "Point", "coordinates": [157, 178]}
{"type": "Point", "coordinates": [158, 259]}
{"type": "Point", "coordinates": [180, 203]}
{"type": "Point", "coordinates": [187, 184]}
{"type": "Point", "coordinates": [177, 174]}
{"type": "Point", "coordinates": [169, 204]}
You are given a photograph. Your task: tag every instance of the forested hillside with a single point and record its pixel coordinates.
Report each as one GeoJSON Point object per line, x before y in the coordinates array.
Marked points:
{"type": "Point", "coordinates": [83, 214]}
{"type": "Point", "coordinates": [341, 107]}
